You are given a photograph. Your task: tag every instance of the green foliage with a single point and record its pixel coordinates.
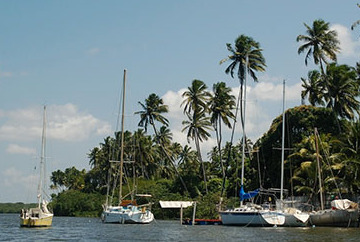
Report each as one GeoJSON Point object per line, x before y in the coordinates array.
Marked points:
{"type": "Point", "coordinates": [14, 207]}
{"type": "Point", "coordinates": [300, 123]}
{"type": "Point", "coordinates": [77, 203]}
{"type": "Point", "coordinates": [168, 171]}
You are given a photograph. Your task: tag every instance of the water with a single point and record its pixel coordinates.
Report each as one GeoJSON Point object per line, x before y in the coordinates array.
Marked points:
{"type": "Point", "coordinates": [92, 229]}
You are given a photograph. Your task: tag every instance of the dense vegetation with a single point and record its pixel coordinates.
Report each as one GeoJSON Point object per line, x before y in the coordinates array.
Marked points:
{"type": "Point", "coordinates": [170, 171]}
{"type": "Point", "coordinates": [14, 207]}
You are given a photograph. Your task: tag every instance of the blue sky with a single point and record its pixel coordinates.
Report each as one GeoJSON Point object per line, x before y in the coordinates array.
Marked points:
{"type": "Point", "coordinates": [70, 56]}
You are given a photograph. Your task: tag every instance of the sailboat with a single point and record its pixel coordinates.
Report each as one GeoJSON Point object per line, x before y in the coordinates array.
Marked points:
{"type": "Point", "coordinates": [343, 212]}
{"type": "Point", "coordinates": [39, 216]}
{"type": "Point", "coordinates": [249, 214]}
{"type": "Point", "coordinates": [293, 216]}
{"type": "Point", "coordinates": [126, 211]}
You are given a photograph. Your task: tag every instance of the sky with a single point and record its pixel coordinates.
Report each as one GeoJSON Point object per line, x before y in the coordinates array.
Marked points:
{"type": "Point", "coordinates": [70, 56]}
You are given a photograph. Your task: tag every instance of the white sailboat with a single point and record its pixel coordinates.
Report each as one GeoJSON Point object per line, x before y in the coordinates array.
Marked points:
{"type": "Point", "coordinates": [249, 214]}
{"type": "Point", "coordinates": [293, 216]}
{"type": "Point", "coordinates": [39, 216]}
{"type": "Point", "coordinates": [126, 211]}
{"type": "Point", "coordinates": [343, 212]}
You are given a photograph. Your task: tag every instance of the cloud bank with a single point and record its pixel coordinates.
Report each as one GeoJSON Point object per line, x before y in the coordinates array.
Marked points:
{"type": "Point", "coordinates": [64, 122]}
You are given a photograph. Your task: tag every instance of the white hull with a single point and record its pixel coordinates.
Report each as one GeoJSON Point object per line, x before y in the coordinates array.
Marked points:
{"type": "Point", "coordinates": [250, 216]}
{"type": "Point", "coordinates": [335, 218]}
{"type": "Point", "coordinates": [127, 215]}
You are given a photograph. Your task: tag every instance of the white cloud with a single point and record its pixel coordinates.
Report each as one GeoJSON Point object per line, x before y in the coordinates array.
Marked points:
{"type": "Point", "coordinates": [176, 116]}
{"type": "Point", "coordinates": [270, 91]}
{"type": "Point", "coordinates": [5, 74]}
{"type": "Point", "coordinates": [263, 105]}
{"type": "Point", "coordinates": [65, 122]}
{"type": "Point", "coordinates": [69, 124]}
{"type": "Point", "coordinates": [350, 48]}
{"type": "Point", "coordinates": [12, 178]}
{"type": "Point", "coordinates": [17, 149]}
{"type": "Point", "coordinates": [93, 51]}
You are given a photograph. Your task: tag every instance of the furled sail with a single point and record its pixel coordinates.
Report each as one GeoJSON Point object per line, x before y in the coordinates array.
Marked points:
{"type": "Point", "coordinates": [244, 195]}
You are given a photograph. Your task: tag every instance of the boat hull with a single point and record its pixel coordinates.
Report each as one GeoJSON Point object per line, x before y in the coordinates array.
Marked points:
{"type": "Point", "coordinates": [242, 218]}
{"type": "Point", "coordinates": [127, 216]}
{"type": "Point", "coordinates": [251, 218]}
{"type": "Point", "coordinates": [335, 218]}
{"type": "Point", "coordinates": [294, 220]}
{"type": "Point", "coordinates": [36, 222]}
{"type": "Point", "coordinates": [35, 217]}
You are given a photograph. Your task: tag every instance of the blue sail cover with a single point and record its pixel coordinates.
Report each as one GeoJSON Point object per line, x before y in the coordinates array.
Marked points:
{"type": "Point", "coordinates": [248, 195]}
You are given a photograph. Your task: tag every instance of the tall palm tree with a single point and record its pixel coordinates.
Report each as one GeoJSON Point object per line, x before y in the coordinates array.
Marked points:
{"type": "Point", "coordinates": [195, 108]}
{"type": "Point", "coordinates": [152, 111]}
{"type": "Point", "coordinates": [221, 105]}
{"type": "Point", "coordinates": [196, 97]}
{"type": "Point", "coordinates": [246, 56]}
{"type": "Point", "coordinates": [197, 129]}
{"type": "Point", "coordinates": [321, 43]}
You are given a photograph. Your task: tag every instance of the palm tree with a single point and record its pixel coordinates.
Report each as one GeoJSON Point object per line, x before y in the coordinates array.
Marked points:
{"type": "Point", "coordinates": [247, 58]}
{"type": "Point", "coordinates": [197, 129]}
{"type": "Point", "coordinates": [352, 151]}
{"type": "Point", "coordinates": [342, 90]}
{"type": "Point", "coordinates": [331, 164]}
{"type": "Point", "coordinates": [188, 160]}
{"type": "Point", "coordinates": [196, 99]}
{"type": "Point", "coordinates": [152, 111]}
{"type": "Point", "coordinates": [221, 105]}
{"type": "Point", "coordinates": [321, 43]}
{"type": "Point", "coordinates": [146, 153]}
{"type": "Point", "coordinates": [313, 88]}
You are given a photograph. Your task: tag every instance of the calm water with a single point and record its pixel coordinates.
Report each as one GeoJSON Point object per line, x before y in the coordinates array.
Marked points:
{"type": "Point", "coordinates": [92, 229]}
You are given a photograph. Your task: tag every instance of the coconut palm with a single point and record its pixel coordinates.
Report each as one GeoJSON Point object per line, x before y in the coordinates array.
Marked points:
{"type": "Point", "coordinates": [246, 56]}
{"type": "Point", "coordinates": [313, 88]}
{"type": "Point", "coordinates": [198, 127]}
{"type": "Point", "coordinates": [195, 108]}
{"type": "Point", "coordinates": [188, 160]}
{"type": "Point", "coordinates": [152, 111]}
{"type": "Point", "coordinates": [196, 97]}
{"type": "Point", "coordinates": [321, 43]}
{"type": "Point", "coordinates": [342, 90]}
{"type": "Point", "coordinates": [352, 151]}
{"type": "Point", "coordinates": [146, 153]}
{"type": "Point", "coordinates": [221, 105]}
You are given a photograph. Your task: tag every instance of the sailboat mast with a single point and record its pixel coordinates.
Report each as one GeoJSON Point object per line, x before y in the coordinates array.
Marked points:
{"type": "Point", "coordinates": [42, 159]}
{"type": "Point", "coordinates": [243, 127]}
{"type": "Point", "coordinates": [282, 148]}
{"type": "Point", "coordinates": [122, 140]}
{"type": "Point", "coordinates": [319, 169]}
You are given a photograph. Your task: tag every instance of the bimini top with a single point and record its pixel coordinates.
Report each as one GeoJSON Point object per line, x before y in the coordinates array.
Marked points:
{"type": "Point", "coordinates": [175, 204]}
